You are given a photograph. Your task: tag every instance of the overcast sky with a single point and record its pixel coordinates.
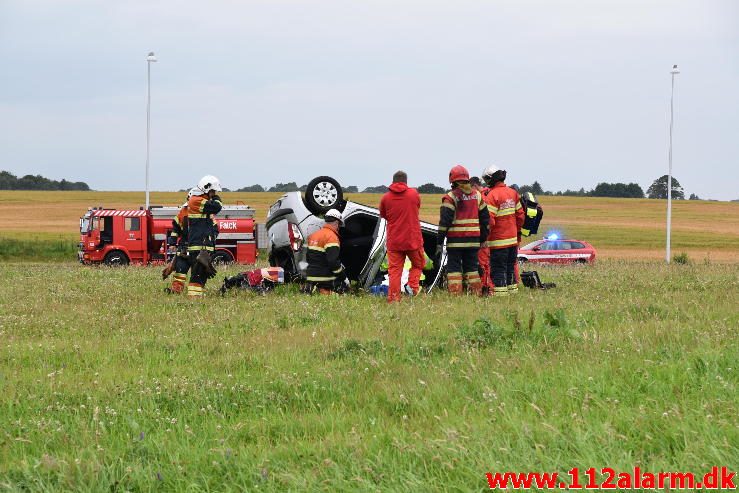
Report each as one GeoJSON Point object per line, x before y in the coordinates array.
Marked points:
{"type": "Point", "coordinates": [567, 92]}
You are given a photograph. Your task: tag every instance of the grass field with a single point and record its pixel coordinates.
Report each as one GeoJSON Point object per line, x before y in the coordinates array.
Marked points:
{"type": "Point", "coordinates": [109, 385]}
{"type": "Point", "coordinates": [618, 228]}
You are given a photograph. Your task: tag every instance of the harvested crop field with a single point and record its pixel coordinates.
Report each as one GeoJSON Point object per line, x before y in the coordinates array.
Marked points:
{"type": "Point", "coordinates": [618, 228]}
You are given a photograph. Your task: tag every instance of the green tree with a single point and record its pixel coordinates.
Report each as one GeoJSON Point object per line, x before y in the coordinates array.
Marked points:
{"type": "Point", "coordinates": [631, 190]}
{"type": "Point", "coordinates": [285, 187]}
{"type": "Point", "coordinates": [430, 188]}
{"type": "Point", "coordinates": [252, 188]}
{"type": "Point", "coordinates": [658, 189]}
{"type": "Point", "coordinates": [9, 181]}
{"type": "Point", "coordinates": [377, 189]}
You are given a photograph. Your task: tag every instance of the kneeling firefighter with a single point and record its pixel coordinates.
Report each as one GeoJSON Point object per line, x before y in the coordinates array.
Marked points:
{"type": "Point", "coordinates": [506, 219]}
{"type": "Point", "coordinates": [201, 208]}
{"type": "Point", "coordinates": [463, 221]}
{"type": "Point", "coordinates": [325, 272]}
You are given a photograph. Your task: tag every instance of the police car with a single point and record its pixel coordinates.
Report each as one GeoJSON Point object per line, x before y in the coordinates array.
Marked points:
{"type": "Point", "coordinates": [555, 250]}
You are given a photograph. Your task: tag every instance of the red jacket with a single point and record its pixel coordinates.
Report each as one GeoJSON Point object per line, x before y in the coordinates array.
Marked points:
{"type": "Point", "coordinates": [506, 216]}
{"type": "Point", "coordinates": [463, 218]}
{"type": "Point", "coordinates": [400, 208]}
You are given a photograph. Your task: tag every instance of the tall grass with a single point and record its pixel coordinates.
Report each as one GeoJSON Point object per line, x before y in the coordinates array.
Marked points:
{"type": "Point", "coordinates": [109, 385]}
{"type": "Point", "coordinates": [59, 249]}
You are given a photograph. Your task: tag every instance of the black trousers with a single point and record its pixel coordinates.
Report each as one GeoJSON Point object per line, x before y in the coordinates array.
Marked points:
{"type": "Point", "coordinates": [181, 263]}
{"type": "Point", "coordinates": [502, 265]}
{"type": "Point", "coordinates": [461, 260]}
{"type": "Point", "coordinates": [197, 274]}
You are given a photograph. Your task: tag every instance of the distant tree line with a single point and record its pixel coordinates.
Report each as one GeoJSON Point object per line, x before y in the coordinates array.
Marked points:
{"type": "Point", "coordinates": [293, 187]}
{"type": "Point", "coordinates": [658, 190]}
{"type": "Point", "coordinates": [8, 181]}
{"type": "Point", "coordinates": [625, 190]}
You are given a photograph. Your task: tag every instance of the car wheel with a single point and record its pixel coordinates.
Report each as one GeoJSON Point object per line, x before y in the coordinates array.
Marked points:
{"type": "Point", "coordinates": [522, 260]}
{"type": "Point", "coordinates": [322, 194]}
{"type": "Point", "coordinates": [222, 258]}
{"type": "Point", "coordinates": [116, 259]}
{"type": "Point", "coordinates": [581, 261]}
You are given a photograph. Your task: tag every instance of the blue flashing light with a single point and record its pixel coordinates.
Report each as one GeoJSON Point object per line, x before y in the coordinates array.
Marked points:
{"type": "Point", "coordinates": [552, 236]}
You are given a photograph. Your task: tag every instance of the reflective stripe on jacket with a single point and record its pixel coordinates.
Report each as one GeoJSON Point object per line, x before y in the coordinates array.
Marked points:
{"type": "Point", "coordinates": [201, 230]}
{"type": "Point", "coordinates": [506, 216]}
{"type": "Point", "coordinates": [463, 219]}
{"type": "Point", "coordinates": [324, 262]}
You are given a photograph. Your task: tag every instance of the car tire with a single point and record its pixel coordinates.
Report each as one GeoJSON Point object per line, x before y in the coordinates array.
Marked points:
{"type": "Point", "coordinates": [322, 194]}
{"type": "Point", "coordinates": [222, 257]}
{"type": "Point", "coordinates": [116, 259]}
{"type": "Point", "coordinates": [581, 261]}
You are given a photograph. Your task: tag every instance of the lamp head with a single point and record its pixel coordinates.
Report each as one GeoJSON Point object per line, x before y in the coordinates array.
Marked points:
{"type": "Point", "coordinates": [151, 57]}
{"type": "Point", "coordinates": [674, 70]}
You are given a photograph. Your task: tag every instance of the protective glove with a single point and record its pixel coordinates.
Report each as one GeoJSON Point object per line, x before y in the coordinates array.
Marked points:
{"type": "Point", "coordinates": [171, 240]}
{"type": "Point", "coordinates": [217, 197]}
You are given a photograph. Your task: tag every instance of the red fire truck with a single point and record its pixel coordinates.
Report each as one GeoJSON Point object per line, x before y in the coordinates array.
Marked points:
{"type": "Point", "coordinates": [123, 236]}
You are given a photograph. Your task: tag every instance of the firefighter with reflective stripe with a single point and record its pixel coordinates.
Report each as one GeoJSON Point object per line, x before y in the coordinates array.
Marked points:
{"type": "Point", "coordinates": [463, 222]}
{"type": "Point", "coordinates": [325, 272]}
{"type": "Point", "coordinates": [506, 219]}
{"type": "Point", "coordinates": [201, 208]}
{"type": "Point", "coordinates": [177, 241]}
{"type": "Point", "coordinates": [483, 256]}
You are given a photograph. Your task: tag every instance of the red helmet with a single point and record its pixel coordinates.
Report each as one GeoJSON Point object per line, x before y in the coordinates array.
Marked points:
{"type": "Point", "coordinates": [459, 173]}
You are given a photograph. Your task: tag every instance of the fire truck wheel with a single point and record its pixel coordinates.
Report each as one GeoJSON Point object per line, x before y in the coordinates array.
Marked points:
{"type": "Point", "coordinates": [115, 259]}
{"type": "Point", "coordinates": [222, 258]}
{"type": "Point", "coordinates": [324, 193]}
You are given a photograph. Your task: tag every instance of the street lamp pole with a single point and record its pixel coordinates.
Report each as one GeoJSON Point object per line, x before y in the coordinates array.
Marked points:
{"type": "Point", "coordinates": [149, 59]}
{"type": "Point", "coordinates": [674, 72]}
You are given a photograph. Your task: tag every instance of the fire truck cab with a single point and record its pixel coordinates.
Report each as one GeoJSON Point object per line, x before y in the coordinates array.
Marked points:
{"type": "Point", "coordinates": [125, 236]}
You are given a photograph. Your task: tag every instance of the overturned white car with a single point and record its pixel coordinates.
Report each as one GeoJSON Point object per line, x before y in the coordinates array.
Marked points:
{"type": "Point", "coordinates": [295, 216]}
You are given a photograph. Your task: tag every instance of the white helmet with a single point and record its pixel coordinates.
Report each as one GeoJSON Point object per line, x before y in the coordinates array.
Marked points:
{"type": "Point", "coordinates": [334, 214]}
{"type": "Point", "coordinates": [208, 183]}
{"type": "Point", "coordinates": [491, 171]}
